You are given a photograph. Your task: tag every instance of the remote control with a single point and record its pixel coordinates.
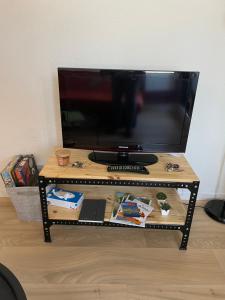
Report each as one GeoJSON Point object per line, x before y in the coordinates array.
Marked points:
{"type": "Point", "coordinates": [128, 168]}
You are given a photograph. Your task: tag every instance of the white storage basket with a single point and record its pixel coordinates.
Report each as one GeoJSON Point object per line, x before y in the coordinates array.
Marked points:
{"type": "Point", "coordinates": [26, 201]}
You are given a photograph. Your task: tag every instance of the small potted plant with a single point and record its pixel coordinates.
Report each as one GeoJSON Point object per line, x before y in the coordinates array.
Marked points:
{"type": "Point", "coordinates": [165, 208]}
{"type": "Point", "coordinates": [161, 196]}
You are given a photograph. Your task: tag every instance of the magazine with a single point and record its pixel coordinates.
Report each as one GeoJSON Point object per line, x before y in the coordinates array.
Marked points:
{"type": "Point", "coordinates": [131, 210]}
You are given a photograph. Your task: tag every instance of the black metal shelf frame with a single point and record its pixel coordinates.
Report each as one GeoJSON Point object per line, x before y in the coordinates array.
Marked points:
{"type": "Point", "coordinates": [185, 229]}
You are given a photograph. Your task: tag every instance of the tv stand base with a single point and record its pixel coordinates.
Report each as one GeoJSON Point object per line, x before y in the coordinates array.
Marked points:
{"type": "Point", "coordinates": [110, 158]}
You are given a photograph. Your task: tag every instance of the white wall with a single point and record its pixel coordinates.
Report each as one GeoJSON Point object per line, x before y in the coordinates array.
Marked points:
{"type": "Point", "coordinates": [38, 36]}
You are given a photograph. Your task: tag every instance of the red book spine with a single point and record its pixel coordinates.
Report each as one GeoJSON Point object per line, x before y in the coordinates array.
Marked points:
{"type": "Point", "coordinates": [20, 172]}
{"type": "Point", "coordinates": [19, 176]}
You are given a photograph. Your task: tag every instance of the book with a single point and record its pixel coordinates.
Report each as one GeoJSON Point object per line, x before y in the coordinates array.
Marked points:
{"type": "Point", "coordinates": [32, 176]}
{"type": "Point", "coordinates": [64, 198]}
{"type": "Point", "coordinates": [6, 173]}
{"type": "Point", "coordinates": [21, 172]}
{"type": "Point", "coordinates": [122, 197]}
{"type": "Point", "coordinates": [25, 172]}
{"type": "Point", "coordinates": [92, 211]}
{"type": "Point", "coordinates": [130, 210]}
{"type": "Point", "coordinates": [133, 198]}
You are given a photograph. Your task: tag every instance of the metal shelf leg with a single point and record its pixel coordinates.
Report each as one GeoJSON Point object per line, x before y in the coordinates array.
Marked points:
{"type": "Point", "coordinates": [189, 217]}
{"type": "Point", "coordinates": [44, 209]}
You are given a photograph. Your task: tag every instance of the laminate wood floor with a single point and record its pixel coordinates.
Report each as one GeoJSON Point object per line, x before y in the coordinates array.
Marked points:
{"type": "Point", "coordinates": [97, 263]}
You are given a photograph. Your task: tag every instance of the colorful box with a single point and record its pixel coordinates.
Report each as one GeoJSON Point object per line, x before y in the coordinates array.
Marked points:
{"type": "Point", "coordinates": [63, 198]}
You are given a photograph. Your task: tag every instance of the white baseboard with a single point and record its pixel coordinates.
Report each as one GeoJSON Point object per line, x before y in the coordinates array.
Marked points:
{"type": "Point", "coordinates": [185, 194]}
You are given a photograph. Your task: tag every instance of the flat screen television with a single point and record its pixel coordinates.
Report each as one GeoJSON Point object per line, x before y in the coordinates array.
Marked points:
{"type": "Point", "coordinates": [130, 111]}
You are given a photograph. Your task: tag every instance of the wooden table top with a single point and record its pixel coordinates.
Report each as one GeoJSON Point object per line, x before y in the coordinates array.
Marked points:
{"type": "Point", "coordinates": [93, 170]}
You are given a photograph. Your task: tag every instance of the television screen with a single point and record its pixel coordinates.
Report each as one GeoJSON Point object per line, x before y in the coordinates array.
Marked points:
{"type": "Point", "coordinates": [105, 109]}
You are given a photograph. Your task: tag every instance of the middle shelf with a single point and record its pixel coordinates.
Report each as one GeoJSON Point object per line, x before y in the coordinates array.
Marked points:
{"type": "Point", "coordinates": [177, 213]}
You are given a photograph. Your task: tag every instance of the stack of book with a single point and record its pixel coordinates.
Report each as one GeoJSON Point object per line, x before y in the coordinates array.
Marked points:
{"type": "Point", "coordinates": [20, 171]}
{"type": "Point", "coordinates": [131, 210]}
{"type": "Point", "coordinates": [64, 198]}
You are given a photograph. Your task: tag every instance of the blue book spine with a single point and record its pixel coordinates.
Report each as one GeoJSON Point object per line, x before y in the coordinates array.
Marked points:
{"type": "Point", "coordinates": [7, 172]}
{"type": "Point", "coordinates": [7, 178]}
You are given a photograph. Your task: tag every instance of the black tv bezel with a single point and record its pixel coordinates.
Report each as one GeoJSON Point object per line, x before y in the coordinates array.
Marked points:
{"type": "Point", "coordinates": [155, 148]}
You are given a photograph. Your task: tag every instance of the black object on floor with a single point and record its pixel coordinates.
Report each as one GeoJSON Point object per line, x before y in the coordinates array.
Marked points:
{"type": "Point", "coordinates": [216, 210]}
{"type": "Point", "coordinates": [92, 211]}
{"type": "Point", "coordinates": [10, 288]}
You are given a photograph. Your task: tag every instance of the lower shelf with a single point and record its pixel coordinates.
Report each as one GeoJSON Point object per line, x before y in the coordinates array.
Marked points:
{"type": "Point", "coordinates": [177, 213]}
